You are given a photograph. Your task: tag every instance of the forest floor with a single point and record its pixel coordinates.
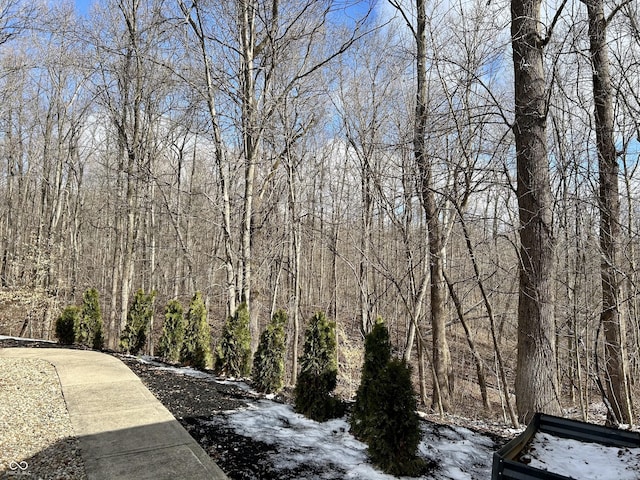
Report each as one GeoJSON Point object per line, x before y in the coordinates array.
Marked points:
{"type": "Point", "coordinates": [251, 436]}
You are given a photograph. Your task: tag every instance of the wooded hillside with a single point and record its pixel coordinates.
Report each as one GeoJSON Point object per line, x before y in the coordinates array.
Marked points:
{"type": "Point", "coordinates": [468, 175]}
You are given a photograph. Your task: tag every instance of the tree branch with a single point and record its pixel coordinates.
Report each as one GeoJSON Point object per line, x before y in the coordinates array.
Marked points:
{"type": "Point", "coordinates": [556, 17]}
{"type": "Point", "coordinates": [616, 10]}
{"type": "Point", "coordinates": [395, 4]}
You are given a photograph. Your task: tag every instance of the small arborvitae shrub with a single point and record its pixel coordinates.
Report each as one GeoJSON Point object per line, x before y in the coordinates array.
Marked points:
{"type": "Point", "coordinates": [172, 336]}
{"type": "Point", "coordinates": [196, 348]}
{"type": "Point", "coordinates": [67, 325]}
{"type": "Point", "coordinates": [90, 331]}
{"type": "Point", "coordinates": [393, 431]}
{"type": "Point", "coordinates": [268, 362]}
{"type": "Point", "coordinates": [233, 355]}
{"type": "Point", "coordinates": [318, 371]}
{"type": "Point", "coordinates": [134, 336]}
{"type": "Point", "coordinates": [377, 353]}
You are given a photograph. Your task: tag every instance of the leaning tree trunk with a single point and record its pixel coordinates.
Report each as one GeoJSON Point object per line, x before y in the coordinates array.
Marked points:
{"type": "Point", "coordinates": [536, 376]}
{"type": "Point", "coordinates": [616, 382]}
{"type": "Point", "coordinates": [220, 160]}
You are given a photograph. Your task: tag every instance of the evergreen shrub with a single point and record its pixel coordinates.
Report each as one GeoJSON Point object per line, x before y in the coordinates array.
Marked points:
{"type": "Point", "coordinates": [67, 325]}
{"type": "Point", "coordinates": [196, 348]}
{"type": "Point", "coordinates": [268, 362]}
{"type": "Point", "coordinates": [173, 330]}
{"type": "Point", "coordinates": [134, 337]}
{"type": "Point", "coordinates": [393, 429]}
{"type": "Point", "coordinates": [90, 330]}
{"type": "Point", "coordinates": [377, 353]}
{"type": "Point", "coordinates": [318, 371]}
{"type": "Point", "coordinates": [233, 355]}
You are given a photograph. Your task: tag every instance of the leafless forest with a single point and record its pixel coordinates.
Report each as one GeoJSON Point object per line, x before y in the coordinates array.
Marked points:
{"type": "Point", "coordinates": [466, 170]}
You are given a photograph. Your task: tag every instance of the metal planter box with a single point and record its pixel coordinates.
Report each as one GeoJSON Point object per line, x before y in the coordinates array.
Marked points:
{"type": "Point", "coordinates": [507, 467]}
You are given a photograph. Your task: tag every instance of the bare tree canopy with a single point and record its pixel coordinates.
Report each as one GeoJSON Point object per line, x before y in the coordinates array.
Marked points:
{"type": "Point", "coordinates": [467, 171]}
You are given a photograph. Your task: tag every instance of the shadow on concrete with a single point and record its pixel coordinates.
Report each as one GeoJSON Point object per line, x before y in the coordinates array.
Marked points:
{"type": "Point", "coordinates": [155, 452]}
{"type": "Point", "coordinates": [44, 464]}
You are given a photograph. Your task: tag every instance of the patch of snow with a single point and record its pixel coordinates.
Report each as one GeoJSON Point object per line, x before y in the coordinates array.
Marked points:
{"type": "Point", "coordinates": [237, 383]}
{"type": "Point", "coordinates": [192, 372]}
{"type": "Point", "coordinates": [583, 460]}
{"type": "Point", "coordinates": [188, 371]}
{"type": "Point", "coordinates": [460, 453]}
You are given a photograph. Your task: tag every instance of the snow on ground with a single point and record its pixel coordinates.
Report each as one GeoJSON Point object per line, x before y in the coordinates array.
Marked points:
{"type": "Point", "coordinates": [192, 372]}
{"type": "Point", "coordinates": [460, 453]}
{"type": "Point", "coordinates": [583, 460]}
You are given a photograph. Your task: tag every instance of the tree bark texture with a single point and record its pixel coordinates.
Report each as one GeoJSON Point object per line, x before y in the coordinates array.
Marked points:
{"type": "Point", "coordinates": [616, 368]}
{"type": "Point", "coordinates": [536, 376]}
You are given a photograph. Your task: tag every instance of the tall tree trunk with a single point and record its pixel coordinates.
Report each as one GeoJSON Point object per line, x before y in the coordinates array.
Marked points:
{"type": "Point", "coordinates": [247, 13]}
{"type": "Point", "coordinates": [116, 262]}
{"type": "Point", "coordinates": [130, 137]}
{"type": "Point", "coordinates": [116, 272]}
{"type": "Point", "coordinates": [366, 322]}
{"type": "Point", "coordinates": [8, 236]}
{"type": "Point", "coordinates": [536, 375]}
{"type": "Point", "coordinates": [441, 356]}
{"type": "Point", "coordinates": [296, 244]}
{"type": "Point", "coordinates": [613, 323]}
{"type": "Point", "coordinates": [128, 250]}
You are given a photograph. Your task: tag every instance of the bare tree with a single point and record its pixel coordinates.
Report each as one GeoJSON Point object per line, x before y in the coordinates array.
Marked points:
{"type": "Point", "coordinates": [130, 91]}
{"type": "Point", "coordinates": [441, 356]}
{"type": "Point", "coordinates": [536, 375]}
{"type": "Point", "coordinates": [194, 16]}
{"type": "Point", "coordinates": [613, 322]}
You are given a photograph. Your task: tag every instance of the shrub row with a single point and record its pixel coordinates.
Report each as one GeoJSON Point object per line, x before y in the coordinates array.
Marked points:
{"type": "Point", "coordinates": [385, 411]}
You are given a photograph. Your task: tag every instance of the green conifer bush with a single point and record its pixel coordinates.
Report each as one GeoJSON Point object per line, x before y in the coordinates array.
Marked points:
{"type": "Point", "coordinates": [233, 355]}
{"type": "Point", "coordinates": [377, 353]}
{"type": "Point", "coordinates": [173, 330]}
{"type": "Point", "coordinates": [268, 362]}
{"type": "Point", "coordinates": [90, 330]}
{"type": "Point", "coordinates": [318, 371]}
{"type": "Point", "coordinates": [67, 325]}
{"type": "Point", "coordinates": [196, 348]}
{"type": "Point", "coordinates": [134, 337]}
{"type": "Point", "coordinates": [393, 430]}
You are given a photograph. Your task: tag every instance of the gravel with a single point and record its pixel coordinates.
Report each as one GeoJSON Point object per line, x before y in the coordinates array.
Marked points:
{"type": "Point", "coordinates": [36, 436]}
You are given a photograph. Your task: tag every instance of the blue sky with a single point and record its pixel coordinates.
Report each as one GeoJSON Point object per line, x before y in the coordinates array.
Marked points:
{"type": "Point", "coordinates": [83, 6]}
